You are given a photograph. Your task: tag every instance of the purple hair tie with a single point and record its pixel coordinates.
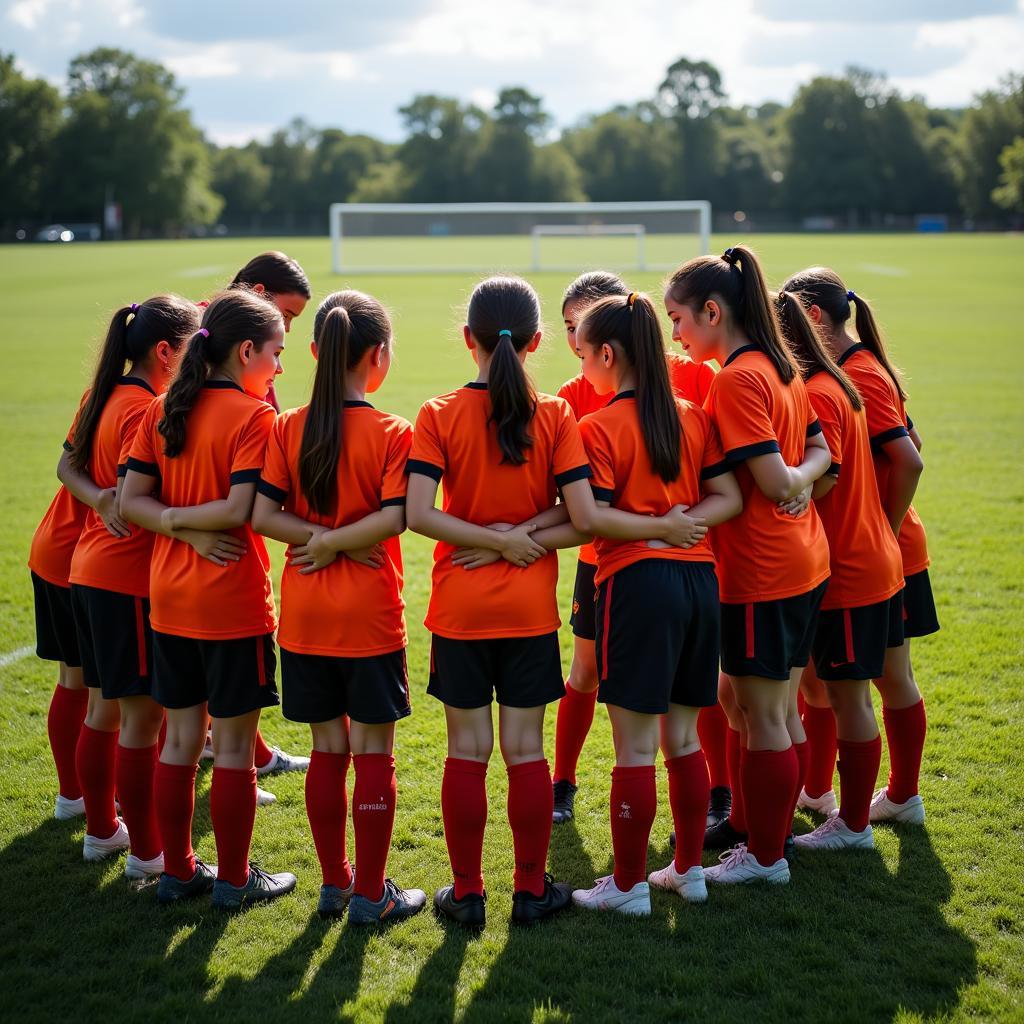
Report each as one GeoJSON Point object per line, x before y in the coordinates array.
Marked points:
{"type": "Point", "coordinates": [135, 306]}
{"type": "Point", "coordinates": [850, 296]}
{"type": "Point", "coordinates": [204, 332]}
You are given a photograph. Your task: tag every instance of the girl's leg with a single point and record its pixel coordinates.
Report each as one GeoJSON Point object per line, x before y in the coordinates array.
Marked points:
{"type": "Point", "coordinates": [575, 711]}
{"type": "Point", "coordinates": [906, 725]}
{"type": "Point", "coordinates": [141, 720]}
{"type": "Point", "coordinates": [233, 794]}
{"type": "Point", "coordinates": [95, 762]}
{"type": "Point", "coordinates": [63, 726]}
{"type": "Point", "coordinates": [795, 728]}
{"type": "Point", "coordinates": [373, 803]}
{"type": "Point", "coordinates": [174, 784]}
{"type": "Point", "coordinates": [860, 749]}
{"type": "Point", "coordinates": [688, 783]}
{"type": "Point", "coordinates": [820, 725]}
{"type": "Point", "coordinates": [327, 803]}
{"type": "Point", "coordinates": [736, 742]}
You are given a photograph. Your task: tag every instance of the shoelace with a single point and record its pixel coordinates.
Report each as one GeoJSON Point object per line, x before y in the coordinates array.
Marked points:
{"type": "Point", "coordinates": [830, 825]}
{"type": "Point", "coordinates": [734, 857]}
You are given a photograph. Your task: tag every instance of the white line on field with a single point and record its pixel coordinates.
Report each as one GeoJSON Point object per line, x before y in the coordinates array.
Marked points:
{"type": "Point", "coordinates": [884, 269]}
{"type": "Point", "coordinates": [214, 268]}
{"type": "Point", "coordinates": [16, 655]}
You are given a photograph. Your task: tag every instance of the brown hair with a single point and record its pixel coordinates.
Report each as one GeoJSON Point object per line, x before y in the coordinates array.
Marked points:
{"type": "Point", "coordinates": [279, 275]}
{"type": "Point", "coordinates": [593, 285]}
{"type": "Point", "coordinates": [347, 325]}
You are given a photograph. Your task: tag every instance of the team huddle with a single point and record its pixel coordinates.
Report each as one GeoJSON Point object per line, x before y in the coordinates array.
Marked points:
{"type": "Point", "coordinates": [750, 564]}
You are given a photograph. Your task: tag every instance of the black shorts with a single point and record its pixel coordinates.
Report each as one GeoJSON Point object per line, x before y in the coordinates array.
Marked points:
{"type": "Point", "coordinates": [517, 671]}
{"type": "Point", "coordinates": [658, 636]}
{"type": "Point", "coordinates": [317, 688]}
{"type": "Point", "coordinates": [919, 616]}
{"type": "Point", "coordinates": [584, 600]}
{"type": "Point", "coordinates": [770, 638]}
{"type": "Point", "coordinates": [233, 677]}
{"type": "Point", "coordinates": [115, 640]}
{"type": "Point", "coordinates": [56, 638]}
{"type": "Point", "coordinates": [850, 643]}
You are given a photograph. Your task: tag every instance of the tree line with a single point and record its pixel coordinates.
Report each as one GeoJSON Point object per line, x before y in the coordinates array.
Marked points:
{"type": "Point", "coordinates": [849, 149]}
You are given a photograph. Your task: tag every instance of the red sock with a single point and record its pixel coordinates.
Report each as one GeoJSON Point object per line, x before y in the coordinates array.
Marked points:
{"type": "Point", "coordinates": [262, 754]}
{"type": "Point", "coordinates": [327, 810]}
{"type": "Point", "coordinates": [529, 814]}
{"type": "Point", "coordinates": [801, 703]}
{"type": "Point", "coordinates": [373, 817]}
{"type": "Point", "coordinates": [905, 730]}
{"type": "Point", "coordinates": [575, 716]}
{"type": "Point", "coordinates": [95, 759]}
{"type": "Point", "coordinates": [63, 725]}
{"type": "Point", "coordinates": [232, 814]}
{"type": "Point", "coordinates": [464, 810]}
{"type": "Point", "coordinates": [174, 796]}
{"type": "Point", "coordinates": [688, 790]}
{"type": "Point", "coordinates": [713, 730]}
{"type": "Point", "coordinates": [820, 726]}
{"type": "Point", "coordinates": [769, 778]}
{"type": "Point", "coordinates": [633, 804]}
{"type": "Point", "coordinates": [803, 756]}
{"type": "Point", "coordinates": [858, 770]}
{"type": "Point", "coordinates": [135, 766]}
{"type": "Point", "coordinates": [734, 751]}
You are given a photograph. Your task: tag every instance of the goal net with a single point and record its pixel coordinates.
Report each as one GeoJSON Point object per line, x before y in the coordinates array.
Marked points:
{"type": "Point", "coordinates": [403, 238]}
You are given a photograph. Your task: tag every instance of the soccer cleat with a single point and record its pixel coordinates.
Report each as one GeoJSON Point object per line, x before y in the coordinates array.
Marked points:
{"type": "Point", "coordinates": [723, 836]}
{"type": "Point", "coordinates": [565, 796]}
{"type": "Point", "coordinates": [65, 809]}
{"type": "Point", "coordinates": [264, 798]}
{"type": "Point", "coordinates": [835, 834]}
{"type": "Point", "coordinates": [689, 885]}
{"type": "Point", "coordinates": [606, 895]}
{"type": "Point", "coordinates": [530, 909]}
{"type": "Point", "coordinates": [333, 899]}
{"type": "Point", "coordinates": [137, 870]}
{"type": "Point", "coordinates": [282, 762]}
{"type": "Point", "coordinates": [259, 887]}
{"type": "Point", "coordinates": [740, 866]}
{"type": "Point", "coordinates": [395, 904]}
{"type": "Point", "coordinates": [719, 805]}
{"type": "Point", "coordinates": [95, 848]}
{"type": "Point", "coordinates": [824, 804]}
{"type": "Point", "coordinates": [470, 911]}
{"type": "Point", "coordinates": [173, 890]}
{"type": "Point", "coordinates": [910, 812]}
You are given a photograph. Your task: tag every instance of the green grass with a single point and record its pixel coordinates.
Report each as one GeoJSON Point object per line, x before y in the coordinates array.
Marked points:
{"type": "Point", "coordinates": [929, 926]}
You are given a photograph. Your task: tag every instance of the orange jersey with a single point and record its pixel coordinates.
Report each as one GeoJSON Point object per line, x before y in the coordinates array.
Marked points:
{"type": "Point", "coordinates": [346, 609]}
{"type": "Point", "coordinates": [101, 560]}
{"type": "Point", "coordinates": [454, 444]}
{"type": "Point", "coordinates": [764, 554]}
{"type": "Point", "coordinates": [226, 436]}
{"type": "Point", "coordinates": [887, 420]}
{"type": "Point", "coordinates": [624, 477]}
{"type": "Point", "coordinates": [53, 543]}
{"type": "Point", "coordinates": [863, 553]}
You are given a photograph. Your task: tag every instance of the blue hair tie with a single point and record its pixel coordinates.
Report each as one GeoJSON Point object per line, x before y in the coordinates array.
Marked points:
{"type": "Point", "coordinates": [850, 296]}
{"type": "Point", "coordinates": [505, 332]}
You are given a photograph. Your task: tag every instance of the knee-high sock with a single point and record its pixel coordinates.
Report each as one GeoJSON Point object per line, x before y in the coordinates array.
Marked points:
{"type": "Point", "coordinates": [262, 753]}
{"type": "Point", "coordinates": [135, 768]}
{"type": "Point", "coordinates": [802, 757]}
{"type": "Point", "coordinates": [575, 716]}
{"type": "Point", "coordinates": [464, 810]}
{"type": "Point", "coordinates": [529, 815]}
{"type": "Point", "coordinates": [769, 779]}
{"type": "Point", "coordinates": [688, 790]}
{"type": "Point", "coordinates": [373, 818]}
{"type": "Point", "coordinates": [232, 813]}
{"type": "Point", "coordinates": [820, 726]}
{"type": "Point", "coordinates": [713, 730]}
{"type": "Point", "coordinates": [858, 770]}
{"type": "Point", "coordinates": [633, 804]}
{"type": "Point", "coordinates": [734, 750]}
{"type": "Point", "coordinates": [327, 810]}
{"type": "Point", "coordinates": [63, 726]}
{"type": "Point", "coordinates": [905, 730]}
{"type": "Point", "coordinates": [174, 795]}
{"type": "Point", "coordinates": [95, 761]}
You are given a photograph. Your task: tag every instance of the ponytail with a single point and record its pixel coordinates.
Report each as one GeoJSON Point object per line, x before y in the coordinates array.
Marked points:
{"type": "Point", "coordinates": [512, 400]}
{"type": "Point", "coordinates": [633, 327]}
{"type": "Point", "coordinates": [735, 279]}
{"type": "Point", "coordinates": [807, 347]}
{"type": "Point", "coordinates": [133, 332]}
{"type": "Point", "coordinates": [822, 287]}
{"type": "Point", "coordinates": [182, 394]}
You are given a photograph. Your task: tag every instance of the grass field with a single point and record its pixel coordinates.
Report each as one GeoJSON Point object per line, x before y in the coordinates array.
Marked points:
{"type": "Point", "coordinates": [929, 926]}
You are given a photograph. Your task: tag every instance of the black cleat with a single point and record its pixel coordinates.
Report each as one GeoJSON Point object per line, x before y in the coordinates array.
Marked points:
{"type": "Point", "coordinates": [723, 836]}
{"type": "Point", "coordinates": [565, 796]}
{"type": "Point", "coordinates": [470, 911]}
{"type": "Point", "coordinates": [259, 887]}
{"type": "Point", "coordinates": [789, 849]}
{"type": "Point", "coordinates": [530, 909]}
{"type": "Point", "coordinates": [719, 805]}
{"type": "Point", "coordinates": [173, 890]}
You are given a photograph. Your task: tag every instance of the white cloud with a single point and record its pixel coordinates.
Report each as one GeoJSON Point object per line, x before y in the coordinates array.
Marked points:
{"type": "Point", "coordinates": [28, 13]}
{"type": "Point", "coordinates": [211, 62]}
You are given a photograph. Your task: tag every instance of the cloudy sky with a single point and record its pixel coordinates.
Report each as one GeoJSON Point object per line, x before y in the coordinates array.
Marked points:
{"type": "Point", "coordinates": [249, 66]}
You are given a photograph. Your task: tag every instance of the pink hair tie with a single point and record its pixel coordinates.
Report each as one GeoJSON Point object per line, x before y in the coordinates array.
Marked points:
{"type": "Point", "coordinates": [204, 332]}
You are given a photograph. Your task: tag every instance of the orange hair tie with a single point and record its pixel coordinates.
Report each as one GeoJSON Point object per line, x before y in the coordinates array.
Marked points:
{"type": "Point", "coordinates": [630, 299]}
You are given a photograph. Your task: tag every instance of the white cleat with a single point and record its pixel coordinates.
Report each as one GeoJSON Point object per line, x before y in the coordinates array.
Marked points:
{"type": "Point", "coordinates": [137, 870]}
{"type": "Point", "coordinates": [98, 849]}
{"type": "Point", "coordinates": [883, 809]}
{"type": "Point", "coordinates": [824, 804]}
{"type": "Point", "coordinates": [835, 834]}
{"type": "Point", "coordinates": [282, 762]}
{"type": "Point", "coordinates": [606, 895]}
{"type": "Point", "coordinates": [264, 798]}
{"type": "Point", "coordinates": [64, 809]}
{"type": "Point", "coordinates": [689, 885]}
{"type": "Point", "coordinates": [739, 866]}
{"type": "Point", "coordinates": [207, 753]}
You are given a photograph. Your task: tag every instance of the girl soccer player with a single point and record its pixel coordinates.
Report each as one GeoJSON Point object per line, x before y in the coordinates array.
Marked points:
{"type": "Point", "coordinates": [772, 566]}
{"type": "Point", "coordinates": [333, 487]}
{"type": "Point", "coordinates": [194, 464]}
{"type": "Point", "coordinates": [862, 612]}
{"type": "Point", "coordinates": [896, 447]}
{"type": "Point", "coordinates": [657, 608]}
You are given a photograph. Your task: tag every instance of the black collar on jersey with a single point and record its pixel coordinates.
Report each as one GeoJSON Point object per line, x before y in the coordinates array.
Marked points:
{"type": "Point", "coordinates": [859, 347]}
{"type": "Point", "coordinates": [477, 385]}
{"type": "Point", "coordinates": [222, 385]}
{"type": "Point", "coordinates": [137, 382]}
{"type": "Point", "coordinates": [739, 352]}
{"type": "Point", "coordinates": [623, 394]}
{"type": "Point", "coordinates": [353, 404]}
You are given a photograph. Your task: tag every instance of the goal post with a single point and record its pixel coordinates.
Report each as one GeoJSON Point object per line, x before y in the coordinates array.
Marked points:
{"type": "Point", "coordinates": [383, 238]}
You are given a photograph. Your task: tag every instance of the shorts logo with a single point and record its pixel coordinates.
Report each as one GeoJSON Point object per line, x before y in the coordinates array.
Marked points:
{"type": "Point", "coordinates": [838, 664]}
{"type": "Point", "coordinates": [624, 811]}
{"type": "Point", "coordinates": [575, 607]}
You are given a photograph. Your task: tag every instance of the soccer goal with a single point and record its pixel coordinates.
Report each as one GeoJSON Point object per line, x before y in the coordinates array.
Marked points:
{"type": "Point", "coordinates": [404, 238]}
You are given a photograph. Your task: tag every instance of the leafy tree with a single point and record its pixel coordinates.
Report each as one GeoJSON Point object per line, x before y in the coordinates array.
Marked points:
{"type": "Point", "coordinates": [242, 180]}
{"type": "Point", "coordinates": [689, 95]}
{"type": "Point", "coordinates": [1010, 193]}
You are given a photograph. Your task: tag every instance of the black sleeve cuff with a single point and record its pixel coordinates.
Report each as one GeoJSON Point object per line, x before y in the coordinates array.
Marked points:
{"type": "Point", "coordinates": [833, 470]}
{"type": "Point", "coordinates": [424, 469]}
{"type": "Point", "coordinates": [813, 428]}
{"type": "Point", "coordinates": [270, 491]}
{"type": "Point", "coordinates": [244, 476]}
{"type": "Point", "coordinates": [602, 493]}
{"type": "Point", "coordinates": [122, 470]}
{"type": "Point", "coordinates": [392, 502]}
{"type": "Point", "coordinates": [572, 475]}
{"type": "Point", "coordinates": [138, 466]}
{"type": "Point", "coordinates": [68, 446]}
{"type": "Point", "coordinates": [716, 469]}
{"type": "Point", "coordinates": [910, 423]}
{"type": "Point", "coordinates": [751, 451]}
{"type": "Point", "coordinates": [882, 439]}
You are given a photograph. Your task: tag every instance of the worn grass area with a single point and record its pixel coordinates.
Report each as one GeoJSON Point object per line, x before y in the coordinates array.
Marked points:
{"type": "Point", "coordinates": [928, 926]}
